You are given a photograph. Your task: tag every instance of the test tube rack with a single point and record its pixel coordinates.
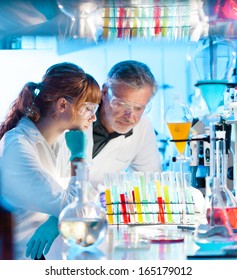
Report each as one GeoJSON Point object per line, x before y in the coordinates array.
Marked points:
{"type": "Point", "coordinates": [139, 199]}
{"type": "Point", "coordinates": [131, 213]}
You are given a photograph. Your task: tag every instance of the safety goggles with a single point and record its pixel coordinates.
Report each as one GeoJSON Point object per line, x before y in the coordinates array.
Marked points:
{"type": "Point", "coordinates": [123, 107]}
{"type": "Point", "coordinates": [88, 110]}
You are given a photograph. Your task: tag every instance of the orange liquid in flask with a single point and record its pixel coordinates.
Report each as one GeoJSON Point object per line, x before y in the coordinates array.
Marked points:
{"type": "Point", "coordinates": [180, 131]}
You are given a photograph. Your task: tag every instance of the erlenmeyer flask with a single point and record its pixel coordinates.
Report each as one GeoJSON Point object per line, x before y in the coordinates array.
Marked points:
{"type": "Point", "coordinates": [214, 230]}
{"type": "Point", "coordinates": [82, 222]}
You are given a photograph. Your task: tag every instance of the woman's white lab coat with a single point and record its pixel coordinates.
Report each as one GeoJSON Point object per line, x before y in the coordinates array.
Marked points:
{"type": "Point", "coordinates": [30, 181]}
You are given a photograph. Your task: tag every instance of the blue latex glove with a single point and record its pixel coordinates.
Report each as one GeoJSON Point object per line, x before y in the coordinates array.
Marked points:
{"type": "Point", "coordinates": [42, 239]}
{"type": "Point", "coordinates": [76, 141]}
{"type": "Point", "coordinates": [102, 199]}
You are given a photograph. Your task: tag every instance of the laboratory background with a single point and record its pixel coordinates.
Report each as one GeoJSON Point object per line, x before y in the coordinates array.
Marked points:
{"type": "Point", "coordinates": [190, 47]}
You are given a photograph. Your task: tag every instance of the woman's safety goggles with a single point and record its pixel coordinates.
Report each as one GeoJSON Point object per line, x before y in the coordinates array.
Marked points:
{"type": "Point", "coordinates": [88, 110]}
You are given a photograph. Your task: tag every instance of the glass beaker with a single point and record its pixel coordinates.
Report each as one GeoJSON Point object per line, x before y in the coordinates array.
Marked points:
{"type": "Point", "coordinates": [214, 230]}
{"type": "Point", "coordinates": [82, 222]}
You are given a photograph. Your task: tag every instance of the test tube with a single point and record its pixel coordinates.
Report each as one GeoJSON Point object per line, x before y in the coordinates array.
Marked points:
{"type": "Point", "coordinates": [150, 180]}
{"type": "Point", "coordinates": [115, 195]}
{"type": "Point", "coordinates": [130, 197]}
{"type": "Point", "coordinates": [137, 198]}
{"type": "Point", "coordinates": [144, 198]}
{"type": "Point", "coordinates": [109, 206]}
{"type": "Point", "coordinates": [106, 23]}
{"type": "Point", "coordinates": [164, 181]}
{"type": "Point", "coordinates": [189, 199]}
{"type": "Point", "coordinates": [108, 199]}
{"type": "Point", "coordinates": [123, 197]}
{"type": "Point", "coordinates": [182, 202]}
{"type": "Point", "coordinates": [174, 197]}
{"type": "Point", "coordinates": [161, 216]}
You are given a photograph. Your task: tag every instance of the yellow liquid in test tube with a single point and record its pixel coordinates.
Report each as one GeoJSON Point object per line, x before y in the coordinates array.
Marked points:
{"type": "Point", "coordinates": [109, 206]}
{"type": "Point", "coordinates": [138, 205]}
{"type": "Point", "coordinates": [106, 23]}
{"type": "Point", "coordinates": [180, 131]}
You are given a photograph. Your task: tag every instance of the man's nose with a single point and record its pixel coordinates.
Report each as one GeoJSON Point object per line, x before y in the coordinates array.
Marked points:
{"type": "Point", "coordinates": [128, 111]}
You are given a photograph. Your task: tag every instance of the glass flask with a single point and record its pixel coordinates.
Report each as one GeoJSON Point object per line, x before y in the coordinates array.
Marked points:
{"type": "Point", "coordinates": [214, 230]}
{"type": "Point", "coordinates": [82, 222]}
{"type": "Point", "coordinates": [221, 156]}
{"type": "Point", "coordinates": [179, 120]}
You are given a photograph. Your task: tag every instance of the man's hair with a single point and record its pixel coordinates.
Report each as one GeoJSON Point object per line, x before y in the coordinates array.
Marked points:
{"type": "Point", "coordinates": [133, 74]}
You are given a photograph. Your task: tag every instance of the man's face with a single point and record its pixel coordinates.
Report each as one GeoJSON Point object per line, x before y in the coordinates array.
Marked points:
{"type": "Point", "coordinates": [123, 107]}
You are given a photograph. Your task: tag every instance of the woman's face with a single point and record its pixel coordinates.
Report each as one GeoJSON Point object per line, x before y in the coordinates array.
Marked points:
{"type": "Point", "coordinates": [84, 116]}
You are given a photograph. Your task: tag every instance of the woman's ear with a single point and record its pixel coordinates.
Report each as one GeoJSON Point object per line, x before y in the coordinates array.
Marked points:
{"type": "Point", "coordinates": [61, 104]}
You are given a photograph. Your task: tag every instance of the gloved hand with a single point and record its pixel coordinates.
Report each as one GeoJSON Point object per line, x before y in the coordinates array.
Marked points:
{"type": "Point", "coordinates": [76, 141]}
{"type": "Point", "coordinates": [42, 239]}
{"type": "Point", "coordinates": [102, 199]}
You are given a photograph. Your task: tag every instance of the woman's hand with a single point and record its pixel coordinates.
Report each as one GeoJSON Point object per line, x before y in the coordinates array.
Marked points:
{"type": "Point", "coordinates": [76, 141]}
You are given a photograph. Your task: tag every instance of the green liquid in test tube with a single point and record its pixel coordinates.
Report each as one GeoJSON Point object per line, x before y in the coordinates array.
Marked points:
{"type": "Point", "coordinates": [144, 198]}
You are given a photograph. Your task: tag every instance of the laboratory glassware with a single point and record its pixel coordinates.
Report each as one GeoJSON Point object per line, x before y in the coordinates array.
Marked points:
{"type": "Point", "coordinates": [83, 223]}
{"type": "Point", "coordinates": [179, 118]}
{"type": "Point", "coordinates": [214, 230]}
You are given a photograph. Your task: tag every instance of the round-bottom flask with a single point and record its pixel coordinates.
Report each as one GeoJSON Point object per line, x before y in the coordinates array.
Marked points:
{"type": "Point", "coordinates": [82, 222]}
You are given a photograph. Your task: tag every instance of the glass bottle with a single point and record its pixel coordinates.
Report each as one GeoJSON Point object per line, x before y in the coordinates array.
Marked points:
{"type": "Point", "coordinates": [82, 222]}
{"type": "Point", "coordinates": [214, 230]}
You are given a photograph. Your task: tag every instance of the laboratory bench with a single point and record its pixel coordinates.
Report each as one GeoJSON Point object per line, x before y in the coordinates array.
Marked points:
{"type": "Point", "coordinates": [133, 242]}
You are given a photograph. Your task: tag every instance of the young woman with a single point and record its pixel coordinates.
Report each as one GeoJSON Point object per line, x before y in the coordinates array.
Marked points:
{"type": "Point", "coordinates": [66, 99]}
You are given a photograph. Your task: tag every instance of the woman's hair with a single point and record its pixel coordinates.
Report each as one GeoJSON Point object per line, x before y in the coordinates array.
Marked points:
{"type": "Point", "coordinates": [60, 80]}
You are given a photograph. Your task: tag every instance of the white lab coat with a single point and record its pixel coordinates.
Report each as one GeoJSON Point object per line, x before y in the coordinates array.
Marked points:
{"type": "Point", "coordinates": [30, 181]}
{"type": "Point", "coordinates": [138, 152]}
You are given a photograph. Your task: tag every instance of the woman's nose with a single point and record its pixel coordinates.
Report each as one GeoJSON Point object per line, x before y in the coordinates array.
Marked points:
{"type": "Point", "coordinates": [93, 118]}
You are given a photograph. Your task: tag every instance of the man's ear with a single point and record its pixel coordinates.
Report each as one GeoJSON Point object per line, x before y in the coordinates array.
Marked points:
{"type": "Point", "coordinates": [104, 92]}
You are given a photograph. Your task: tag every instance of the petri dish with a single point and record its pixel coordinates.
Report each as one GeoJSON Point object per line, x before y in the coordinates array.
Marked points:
{"type": "Point", "coordinates": [167, 239]}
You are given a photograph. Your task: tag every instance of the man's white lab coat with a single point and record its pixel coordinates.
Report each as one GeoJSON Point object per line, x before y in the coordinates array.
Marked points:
{"type": "Point", "coordinates": [138, 152]}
